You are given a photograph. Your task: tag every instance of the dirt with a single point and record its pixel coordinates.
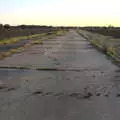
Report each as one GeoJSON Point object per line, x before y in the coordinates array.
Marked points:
{"type": "Point", "coordinates": [67, 79]}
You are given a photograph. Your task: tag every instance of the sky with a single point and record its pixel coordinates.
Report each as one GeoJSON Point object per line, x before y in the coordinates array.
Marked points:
{"type": "Point", "coordinates": [60, 12]}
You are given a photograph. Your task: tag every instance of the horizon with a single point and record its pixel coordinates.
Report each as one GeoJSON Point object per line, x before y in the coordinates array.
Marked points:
{"type": "Point", "coordinates": [109, 25]}
{"type": "Point", "coordinates": [75, 13]}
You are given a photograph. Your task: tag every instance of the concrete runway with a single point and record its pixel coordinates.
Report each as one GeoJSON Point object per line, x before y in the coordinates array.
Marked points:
{"type": "Point", "coordinates": [64, 79]}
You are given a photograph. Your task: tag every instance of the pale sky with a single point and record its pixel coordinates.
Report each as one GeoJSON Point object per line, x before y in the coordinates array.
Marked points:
{"type": "Point", "coordinates": [60, 12]}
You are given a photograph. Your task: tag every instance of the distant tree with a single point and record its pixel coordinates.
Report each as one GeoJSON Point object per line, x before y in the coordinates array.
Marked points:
{"type": "Point", "coordinates": [6, 26]}
{"type": "Point", "coordinates": [1, 26]}
{"type": "Point", "coordinates": [22, 26]}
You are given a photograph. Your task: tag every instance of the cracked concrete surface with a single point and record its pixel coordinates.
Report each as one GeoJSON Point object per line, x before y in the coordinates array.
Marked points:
{"type": "Point", "coordinates": [67, 79]}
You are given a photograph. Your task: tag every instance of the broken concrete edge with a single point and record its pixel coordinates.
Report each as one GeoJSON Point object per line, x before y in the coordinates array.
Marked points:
{"type": "Point", "coordinates": [37, 41]}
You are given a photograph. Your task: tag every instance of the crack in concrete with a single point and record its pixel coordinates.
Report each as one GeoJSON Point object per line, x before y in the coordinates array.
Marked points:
{"type": "Point", "coordinates": [47, 69]}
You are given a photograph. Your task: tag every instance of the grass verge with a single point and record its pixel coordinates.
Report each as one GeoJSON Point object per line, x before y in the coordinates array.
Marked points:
{"type": "Point", "coordinates": [107, 44]}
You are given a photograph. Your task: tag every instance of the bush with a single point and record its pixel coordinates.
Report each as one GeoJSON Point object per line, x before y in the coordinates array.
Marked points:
{"type": "Point", "coordinates": [6, 26]}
